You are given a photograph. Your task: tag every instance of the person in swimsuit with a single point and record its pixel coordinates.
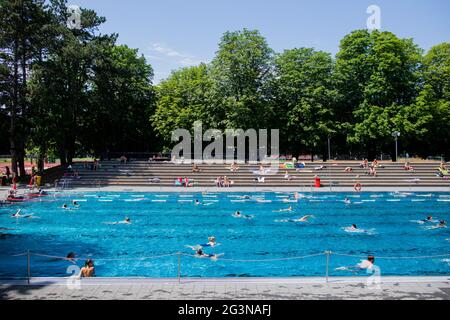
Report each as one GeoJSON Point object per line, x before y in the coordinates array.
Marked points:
{"type": "Point", "coordinates": [238, 214]}
{"type": "Point", "coordinates": [88, 270]}
{"type": "Point", "coordinates": [200, 254]}
{"type": "Point", "coordinates": [285, 210]}
{"type": "Point", "coordinates": [125, 221]}
{"type": "Point", "coordinates": [302, 219]}
{"type": "Point", "coordinates": [442, 224]}
{"type": "Point", "coordinates": [71, 257]}
{"type": "Point", "coordinates": [17, 214]}
{"type": "Point", "coordinates": [428, 219]}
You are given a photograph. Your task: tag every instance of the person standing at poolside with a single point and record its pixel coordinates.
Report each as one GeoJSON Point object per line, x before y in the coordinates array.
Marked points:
{"type": "Point", "coordinates": [367, 264]}
{"type": "Point", "coordinates": [363, 265]}
{"type": "Point", "coordinates": [7, 172]}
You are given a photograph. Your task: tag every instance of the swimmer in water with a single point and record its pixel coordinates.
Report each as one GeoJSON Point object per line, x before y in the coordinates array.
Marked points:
{"type": "Point", "coordinates": [302, 219]}
{"type": "Point", "coordinates": [363, 265]}
{"type": "Point", "coordinates": [65, 207]}
{"type": "Point", "coordinates": [125, 221]}
{"type": "Point", "coordinates": [428, 219]}
{"type": "Point", "coordinates": [284, 210]}
{"type": "Point", "coordinates": [197, 202]}
{"type": "Point", "coordinates": [442, 224]}
{"type": "Point", "coordinates": [246, 197]}
{"type": "Point", "coordinates": [347, 201]}
{"type": "Point", "coordinates": [75, 203]}
{"type": "Point", "coordinates": [238, 214]}
{"type": "Point", "coordinates": [17, 215]}
{"type": "Point", "coordinates": [200, 254]}
{"type": "Point", "coordinates": [71, 257]}
{"type": "Point", "coordinates": [211, 243]}
{"type": "Point", "coordinates": [354, 229]}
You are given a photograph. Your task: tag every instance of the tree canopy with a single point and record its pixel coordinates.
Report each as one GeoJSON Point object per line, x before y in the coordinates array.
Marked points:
{"type": "Point", "coordinates": [71, 91]}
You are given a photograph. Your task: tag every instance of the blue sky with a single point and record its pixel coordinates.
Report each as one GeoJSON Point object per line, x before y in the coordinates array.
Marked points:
{"type": "Point", "coordinates": [177, 33]}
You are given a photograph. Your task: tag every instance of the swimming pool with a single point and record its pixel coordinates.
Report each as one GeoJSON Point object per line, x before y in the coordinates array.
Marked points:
{"type": "Point", "coordinates": [164, 223]}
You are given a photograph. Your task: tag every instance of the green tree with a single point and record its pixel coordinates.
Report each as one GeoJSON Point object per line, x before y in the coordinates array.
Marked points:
{"type": "Point", "coordinates": [305, 99]}
{"type": "Point", "coordinates": [432, 107]}
{"type": "Point", "coordinates": [377, 74]}
{"type": "Point", "coordinates": [62, 82]}
{"type": "Point", "coordinates": [183, 98]}
{"type": "Point", "coordinates": [241, 71]}
{"type": "Point", "coordinates": [23, 37]}
{"type": "Point", "coordinates": [123, 100]}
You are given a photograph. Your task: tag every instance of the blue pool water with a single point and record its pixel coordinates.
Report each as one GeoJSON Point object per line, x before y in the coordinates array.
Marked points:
{"type": "Point", "coordinates": [163, 223]}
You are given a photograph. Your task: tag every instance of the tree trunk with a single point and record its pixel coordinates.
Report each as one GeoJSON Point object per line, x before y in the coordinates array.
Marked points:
{"type": "Point", "coordinates": [21, 163]}
{"type": "Point", "coordinates": [13, 114]}
{"type": "Point", "coordinates": [40, 163]}
{"type": "Point", "coordinates": [372, 151]}
{"type": "Point", "coordinates": [62, 156]}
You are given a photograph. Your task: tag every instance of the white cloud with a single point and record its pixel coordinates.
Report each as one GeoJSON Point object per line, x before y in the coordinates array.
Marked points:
{"type": "Point", "coordinates": [163, 52]}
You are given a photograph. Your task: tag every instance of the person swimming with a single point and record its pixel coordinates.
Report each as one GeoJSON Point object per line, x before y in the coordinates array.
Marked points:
{"type": "Point", "coordinates": [75, 203]}
{"type": "Point", "coordinates": [354, 229]}
{"type": "Point", "coordinates": [362, 265]}
{"type": "Point", "coordinates": [65, 207]}
{"type": "Point", "coordinates": [17, 215]}
{"type": "Point", "coordinates": [71, 257]}
{"type": "Point", "coordinates": [302, 219]}
{"type": "Point", "coordinates": [442, 224]}
{"type": "Point", "coordinates": [211, 243]}
{"type": "Point", "coordinates": [284, 210]}
{"type": "Point", "coordinates": [238, 214]}
{"type": "Point", "coordinates": [428, 219]}
{"type": "Point", "coordinates": [200, 254]}
{"type": "Point", "coordinates": [197, 202]}
{"type": "Point", "coordinates": [347, 201]}
{"type": "Point", "coordinates": [125, 221]}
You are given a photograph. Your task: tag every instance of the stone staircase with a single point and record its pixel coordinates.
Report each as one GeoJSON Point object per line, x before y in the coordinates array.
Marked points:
{"type": "Point", "coordinates": [140, 173]}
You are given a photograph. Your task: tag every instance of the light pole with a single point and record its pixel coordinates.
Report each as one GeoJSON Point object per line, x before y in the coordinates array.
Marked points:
{"type": "Point", "coordinates": [329, 148]}
{"type": "Point", "coordinates": [396, 134]}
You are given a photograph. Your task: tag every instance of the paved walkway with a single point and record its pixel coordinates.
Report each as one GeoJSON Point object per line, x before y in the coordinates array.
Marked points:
{"type": "Point", "coordinates": [256, 189]}
{"type": "Point", "coordinates": [233, 289]}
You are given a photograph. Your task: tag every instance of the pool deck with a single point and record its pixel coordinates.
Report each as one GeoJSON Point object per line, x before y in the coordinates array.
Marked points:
{"type": "Point", "coordinates": [4, 190]}
{"type": "Point", "coordinates": [252, 189]}
{"type": "Point", "coordinates": [390, 288]}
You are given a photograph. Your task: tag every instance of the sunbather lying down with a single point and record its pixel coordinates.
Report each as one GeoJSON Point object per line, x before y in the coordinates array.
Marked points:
{"type": "Point", "coordinates": [443, 172]}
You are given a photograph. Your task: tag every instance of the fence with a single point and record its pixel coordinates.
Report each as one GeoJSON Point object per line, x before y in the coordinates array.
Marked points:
{"type": "Point", "coordinates": [327, 254]}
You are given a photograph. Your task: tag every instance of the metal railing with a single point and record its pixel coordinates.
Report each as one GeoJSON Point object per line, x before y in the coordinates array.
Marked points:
{"type": "Point", "coordinates": [328, 255]}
